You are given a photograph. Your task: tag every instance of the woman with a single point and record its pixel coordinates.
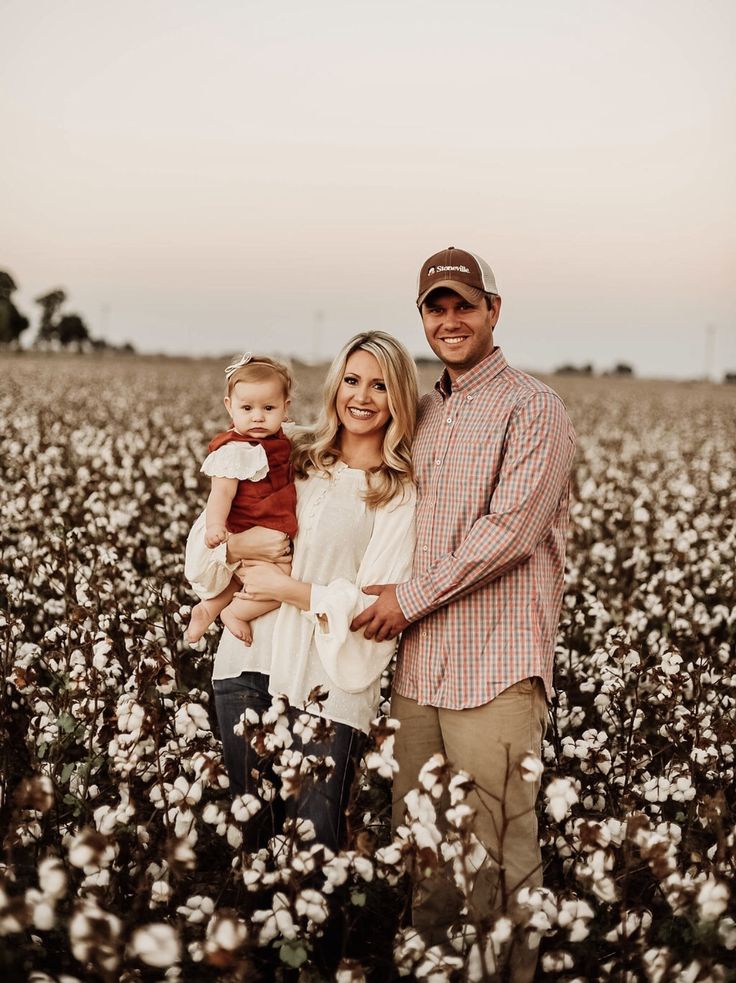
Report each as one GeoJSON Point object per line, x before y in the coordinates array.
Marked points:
{"type": "Point", "coordinates": [355, 512]}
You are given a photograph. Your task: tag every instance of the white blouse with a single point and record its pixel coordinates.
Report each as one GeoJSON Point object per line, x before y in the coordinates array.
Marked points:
{"type": "Point", "coordinates": [340, 546]}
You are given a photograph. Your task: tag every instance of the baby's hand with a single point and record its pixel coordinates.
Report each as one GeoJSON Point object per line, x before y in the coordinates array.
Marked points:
{"type": "Point", "coordinates": [214, 535]}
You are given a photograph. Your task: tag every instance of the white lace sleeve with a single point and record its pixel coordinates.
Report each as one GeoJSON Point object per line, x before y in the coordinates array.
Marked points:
{"type": "Point", "coordinates": [246, 462]}
{"type": "Point", "coordinates": [349, 658]}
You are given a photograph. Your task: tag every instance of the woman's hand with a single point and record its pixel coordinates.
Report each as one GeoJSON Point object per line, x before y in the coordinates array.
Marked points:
{"type": "Point", "coordinates": [260, 544]}
{"type": "Point", "coordinates": [269, 582]}
{"type": "Point", "coordinates": [263, 582]}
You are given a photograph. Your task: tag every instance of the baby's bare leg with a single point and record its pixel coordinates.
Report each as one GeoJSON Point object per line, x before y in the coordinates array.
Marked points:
{"type": "Point", "coordinates": [204, 613]}
{"type": "Point", "coordinates": [259, 544]}
{"type": "Point", "coordinates": [239, 613]}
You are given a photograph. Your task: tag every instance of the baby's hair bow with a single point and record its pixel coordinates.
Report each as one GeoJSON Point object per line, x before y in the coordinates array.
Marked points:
{"type": "Point", "coordinates": [231, 369]}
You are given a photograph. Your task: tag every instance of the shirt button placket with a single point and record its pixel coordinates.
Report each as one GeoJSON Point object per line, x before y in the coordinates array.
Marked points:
{"type": "Point", "coordinates": [445, 438]}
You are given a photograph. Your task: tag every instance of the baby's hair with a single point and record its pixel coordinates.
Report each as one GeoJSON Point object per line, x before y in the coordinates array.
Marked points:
{"type": "Point", "coordinates": [261, 368]}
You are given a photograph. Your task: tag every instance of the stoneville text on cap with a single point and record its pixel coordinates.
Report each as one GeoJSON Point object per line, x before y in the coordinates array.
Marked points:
{"type": "Point", "coordinates": [456, 269]}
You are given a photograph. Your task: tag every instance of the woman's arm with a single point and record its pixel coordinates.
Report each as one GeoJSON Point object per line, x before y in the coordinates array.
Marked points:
{"type": "Point", "coordinates": [220, 499]}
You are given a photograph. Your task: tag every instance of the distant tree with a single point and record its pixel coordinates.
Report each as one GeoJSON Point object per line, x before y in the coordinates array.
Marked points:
{"type": "Point", "coordinates": [622, 368]}
{"type": "Point", "coordinates": [72, 330]}
{"type": "Point", "coordinates": [48, 330]}
{"type": "Point", "coordinates": [568, 369]}
{"type": "Point", "coordinates": [12, 322]}
{"type": "Point", "coordinates": [65, 330]}
{"type": "Point", "coordinates": [730, 377]}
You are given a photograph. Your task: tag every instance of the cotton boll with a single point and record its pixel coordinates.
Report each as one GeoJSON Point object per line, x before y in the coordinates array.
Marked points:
{"type": "Point", "coordinates": [531, 768]}
{"type": "Point", "coordinates": [156, 945]}
{"type": "Point", "coordinates": [561, 795]}
{"type": "Point", "coordinates": [52, 877]}
{"type": "Point", "coordinates": [712, 899]}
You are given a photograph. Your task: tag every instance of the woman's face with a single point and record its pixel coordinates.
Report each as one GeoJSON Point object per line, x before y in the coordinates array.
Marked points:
{"type": "Point", "coordinates": [362, 400]}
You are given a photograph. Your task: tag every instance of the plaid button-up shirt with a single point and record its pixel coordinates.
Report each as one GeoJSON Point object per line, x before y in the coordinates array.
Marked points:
{"type": "Point", "coordinates": [492, 458]}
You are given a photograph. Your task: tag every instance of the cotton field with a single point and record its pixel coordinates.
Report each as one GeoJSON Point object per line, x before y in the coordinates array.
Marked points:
{"type": "Point", "coordinates": [124, 857]}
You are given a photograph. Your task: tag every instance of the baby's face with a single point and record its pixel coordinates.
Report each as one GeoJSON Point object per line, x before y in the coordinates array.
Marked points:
{"type": "Point", "coordinates": [257, 409]}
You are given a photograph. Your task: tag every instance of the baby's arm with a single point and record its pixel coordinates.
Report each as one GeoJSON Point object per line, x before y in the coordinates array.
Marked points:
{"type": "Point", "coordinates": [220, 499]}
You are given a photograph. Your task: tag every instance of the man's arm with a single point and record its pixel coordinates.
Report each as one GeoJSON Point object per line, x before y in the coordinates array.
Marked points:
{"type": "Point", "coordinates": [536, 467]}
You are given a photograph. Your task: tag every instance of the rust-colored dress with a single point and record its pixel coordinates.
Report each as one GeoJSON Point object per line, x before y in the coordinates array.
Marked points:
{"type": "Point", "coordinates": [268, 500]}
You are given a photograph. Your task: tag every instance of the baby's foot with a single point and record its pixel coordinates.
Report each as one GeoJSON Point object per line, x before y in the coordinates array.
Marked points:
{"type": "Point", "coordinates": [198, 623]}
{"type": "Point", "coordinates": [237, 626]}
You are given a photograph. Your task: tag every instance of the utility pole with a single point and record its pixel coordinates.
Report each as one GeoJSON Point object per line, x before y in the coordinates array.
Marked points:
{"type": "Point", "coordinates": [710, 337]}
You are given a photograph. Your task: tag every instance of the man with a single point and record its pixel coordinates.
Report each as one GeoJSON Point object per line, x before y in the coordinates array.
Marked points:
{"type": "Point", "coordinates": [492, 457]}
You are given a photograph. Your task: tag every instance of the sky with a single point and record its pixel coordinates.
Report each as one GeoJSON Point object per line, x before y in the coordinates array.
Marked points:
{"type": "Point", "coordinates": [211, 177]}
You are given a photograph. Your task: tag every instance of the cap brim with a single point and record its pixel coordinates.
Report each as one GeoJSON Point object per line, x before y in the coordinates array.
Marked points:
{"type": "Point", "coordinates": [472, 294]}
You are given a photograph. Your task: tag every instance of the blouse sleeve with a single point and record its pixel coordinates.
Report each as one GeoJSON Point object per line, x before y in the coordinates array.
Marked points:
{"type": "Point", "coordinates": [349, 658]}
{"type": "Point", "coordinates": [207, 570]}
{"type": "Point", "coordinates": [246, 462]}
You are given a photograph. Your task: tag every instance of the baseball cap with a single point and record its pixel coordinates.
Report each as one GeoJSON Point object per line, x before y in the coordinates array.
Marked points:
{"type": "Point", "coordinates": [458, 270]}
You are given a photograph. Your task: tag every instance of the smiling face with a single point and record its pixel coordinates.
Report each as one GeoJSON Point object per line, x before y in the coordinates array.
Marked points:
{"type": "Point", "coordinates": [257, 409]}
{"type": "Point", "coordinates": [458, 332]}
{"type": "Point", "coordinates": [362, 400]}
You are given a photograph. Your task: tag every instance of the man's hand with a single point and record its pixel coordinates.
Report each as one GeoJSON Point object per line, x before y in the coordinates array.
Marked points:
{"type": "Point", "coordinates": [259, 543]}
{"type": "Point", "coordinates": [384, 619]}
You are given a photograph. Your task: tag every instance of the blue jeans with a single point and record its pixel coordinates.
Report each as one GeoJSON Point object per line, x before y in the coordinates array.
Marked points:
{"type": "Point", "coordinates": [324, 802]}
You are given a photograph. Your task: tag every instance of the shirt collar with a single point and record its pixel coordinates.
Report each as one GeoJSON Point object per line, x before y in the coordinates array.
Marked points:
{"type": "Point", "coordinates": [480, 375]}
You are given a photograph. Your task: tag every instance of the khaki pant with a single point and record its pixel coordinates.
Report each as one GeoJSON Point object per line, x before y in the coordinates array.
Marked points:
{"type": "Point", "coordinates": [486, 741]}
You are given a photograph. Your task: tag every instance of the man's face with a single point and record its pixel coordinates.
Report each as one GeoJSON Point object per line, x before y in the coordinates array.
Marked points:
{"type": "Point", "coordinates": [458, 332]}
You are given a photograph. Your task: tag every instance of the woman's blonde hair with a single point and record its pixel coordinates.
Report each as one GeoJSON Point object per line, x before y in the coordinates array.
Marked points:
{"type": "Point", "coordinates": [259, 368]}
{"type": "Point", "coordinates": [318, 449]}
